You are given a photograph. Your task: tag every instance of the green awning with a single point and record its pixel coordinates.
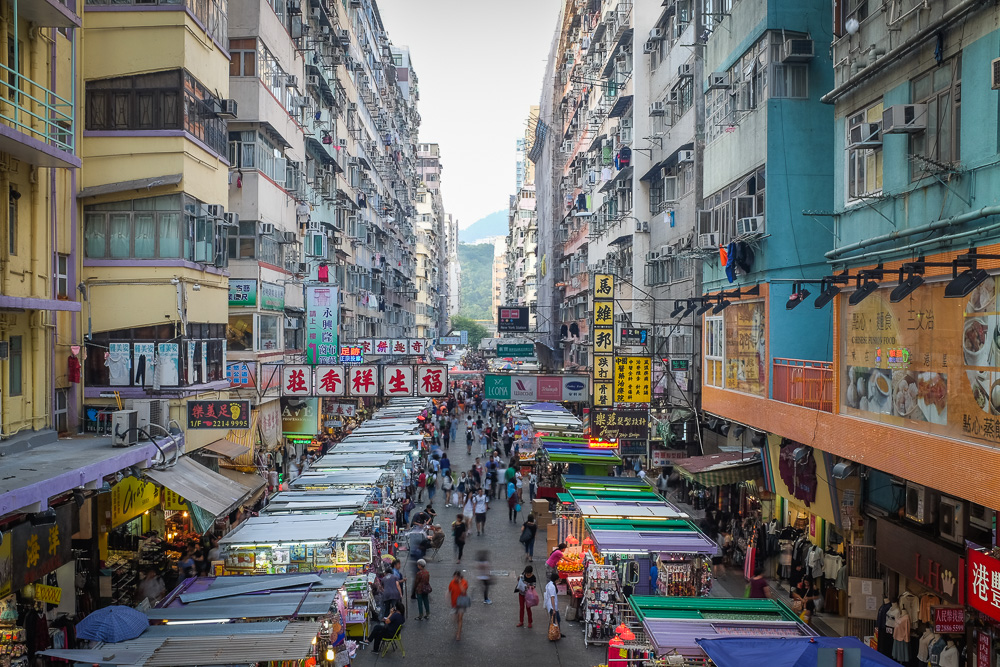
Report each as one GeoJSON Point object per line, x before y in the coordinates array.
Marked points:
{"type": "Point", "coordinates": [719, 469]}
{"type": "Point", "coordinates": [658, 607]}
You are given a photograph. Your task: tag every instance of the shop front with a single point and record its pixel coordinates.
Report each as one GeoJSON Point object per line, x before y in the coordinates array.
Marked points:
{"type": "Point", "coordinates": [132, 512]}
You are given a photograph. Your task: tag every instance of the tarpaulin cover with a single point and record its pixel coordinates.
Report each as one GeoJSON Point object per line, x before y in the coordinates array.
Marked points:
{"type": "Point", "coordinates": [785, 652]}
{"type": "Point", "coordinates": [547, 407]}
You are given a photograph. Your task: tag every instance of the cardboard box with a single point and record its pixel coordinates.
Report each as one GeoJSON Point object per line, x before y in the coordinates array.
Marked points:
{"type": "Point", "coordinates": [540, 506]}
{"type": "Point", "coordinates": [551, 531]}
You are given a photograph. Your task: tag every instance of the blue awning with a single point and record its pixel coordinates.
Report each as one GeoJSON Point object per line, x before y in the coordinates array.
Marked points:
{"type": "Point", "coordinates": [786, 651]}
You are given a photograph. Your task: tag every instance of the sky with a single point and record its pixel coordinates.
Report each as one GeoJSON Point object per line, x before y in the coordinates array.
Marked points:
{"type": "Point", "coordinates": [480, 66]}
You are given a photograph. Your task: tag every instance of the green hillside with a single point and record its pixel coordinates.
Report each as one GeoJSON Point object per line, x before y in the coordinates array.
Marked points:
{"type": "Point", "coordinates": [477, 280]}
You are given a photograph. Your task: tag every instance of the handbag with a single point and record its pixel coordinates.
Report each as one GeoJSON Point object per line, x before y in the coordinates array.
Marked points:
{"type": "Point", "coordinates": [525, 536]}
{"type": "Point", "coordinates": [521, 586]}
{"type": "Point", "coordinates": [555, 634]}
{"type": "Point", "coordinates": [463, 602]}
{"type": "Point", "coordinates": [517, 507]}
{"type": "Point", "coordinates": [531, 597]}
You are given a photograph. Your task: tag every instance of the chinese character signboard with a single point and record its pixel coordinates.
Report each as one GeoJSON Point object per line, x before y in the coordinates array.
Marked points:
{"type": "Point", "coordinates": [604, 286]}
{"type": "Point", "coordinates": [239, 374]}
{"type": "Point", "coordinates": [512, 319]}
{"type": "Point", "coordinates": [604, 367]}
{"type": "Point", "coordinates": [984, 584]}
{"type": "Point", "coordinates": [536, 387]}
{"type": "Point", "coordinates": [432, 381]}
{"type": "Point", "coordinates": [322, 308]}
{"type": "Point", "coordinates": [927, 362]}
{"type": "Point", "coordinates": [619, 424]}
{"type": "Point", "coordinates": [746, 348]}
{"type": "Point", "coordinates": [633, 379]}
{"type": "Point", "coordinates": [604, 341]}
{"type": "Point", "coordinates": [633, 336]}
{"type": "Point", "coordinates": [604, 314]}
{"type": "Point", "coordinates": [383, 346]}
{"type": "Point", "coordinates": [331, 380]}
{"type": "Point", "coordinates": [242, 293]}
{"type": "Point", "coordinates": [339, 409]}
{"type": "Point", "coordinates": [415, 347]}
{"type": "Point", "coordinates": [367, 346]}
{"type": "Point", "coordinates": [363, 380]}
{"type": "Point", "coordinates": [604, 394]}
{"type": "Point", "coordinates": [37, 550]}
{"type": "Point", "coordinates": [516, 351]}
{"type": "Point", "coordinates": [272, 296]}
{"type": "Point", "coordinates": [352, 354]}
{"type": "Point", "coordinates": [397, 380]}
{"type": "Point", "coordinates": [218, 414]}
{"type": "Point", "coordinates": [949, 620]}
{"type": "Point", "coordinates": [296, 380]}
{"type": "Point", "coordinates": [450, 340]}
{"type": "Point", "coordinates": [399, 347]}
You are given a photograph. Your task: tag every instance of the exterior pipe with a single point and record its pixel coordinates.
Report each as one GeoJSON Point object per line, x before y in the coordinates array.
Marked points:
{"type": "Point", "coordinates": [961, 219]}
{"type": "Point", "coordinates": [900, 51]}
{"type": "Point", "coordinates": [939, 240]}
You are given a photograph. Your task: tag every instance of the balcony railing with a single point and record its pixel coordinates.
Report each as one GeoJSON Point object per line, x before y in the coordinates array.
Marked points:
{"type": "Point", "coordinates": [35, 110]}
{"type": "Point", "coordinates": [805, 383]}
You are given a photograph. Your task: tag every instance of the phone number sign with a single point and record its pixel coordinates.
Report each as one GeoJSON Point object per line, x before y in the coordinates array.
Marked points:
{"type": "Point", "coordinates": [218, 414]}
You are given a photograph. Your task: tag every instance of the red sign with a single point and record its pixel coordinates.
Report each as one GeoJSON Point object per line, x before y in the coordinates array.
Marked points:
{"type": "Point", "coordinates": [984, 584]}
{"type": "Point", "coordinates": [983, 649]}
{"type": "Point", "coordinates": [949, 620]}
{"type": "Point", "coordinates": [595, 443]}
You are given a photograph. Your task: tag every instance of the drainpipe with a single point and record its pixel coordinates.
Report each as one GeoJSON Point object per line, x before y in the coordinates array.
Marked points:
{"type": "Point", "coordinates": [984, 212]}
{"type": "Point", "coordinates": [902, 50]}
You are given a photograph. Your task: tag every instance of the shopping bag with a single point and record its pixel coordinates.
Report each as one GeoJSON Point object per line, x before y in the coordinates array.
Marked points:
{"type": "Point", "coordinates": [554, 632]}
{"type": "Point", "coordinates": [531, 597]}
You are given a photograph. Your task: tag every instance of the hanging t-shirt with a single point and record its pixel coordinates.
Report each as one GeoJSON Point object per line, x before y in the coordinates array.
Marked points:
{"type": "Point", "coordinates": [625, 156]}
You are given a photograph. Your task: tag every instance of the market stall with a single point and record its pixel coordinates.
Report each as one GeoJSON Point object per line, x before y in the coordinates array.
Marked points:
{"type": "Point", "coordinates": [280, 544]}
{"type": "Point", "coordinates": [363, 478]}
{"type": "Point", "coordinates": [768, 651]}
{"type": "Point", "coordinates": [555, 462]}
{"type": "Point", "coordinates": [314, 502]}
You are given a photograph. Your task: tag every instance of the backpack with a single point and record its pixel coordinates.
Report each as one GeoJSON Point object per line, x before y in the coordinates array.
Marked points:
{"type": "Point", "coordinates": [431, 481]}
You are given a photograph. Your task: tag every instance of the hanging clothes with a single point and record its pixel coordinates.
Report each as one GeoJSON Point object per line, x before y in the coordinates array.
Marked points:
{"type": "Point", "coordinates": [581, 202]}
{"type": "Point", "coordinates": [323, 273]}
{"type": "Point", "coordinates": [606, 174]}
{"type": "Point", "coordinates": [625, 157]}
{"type": "Point", "coordinates": [73, 370]}
{"type": "Point", "coordinates": [606, 154]}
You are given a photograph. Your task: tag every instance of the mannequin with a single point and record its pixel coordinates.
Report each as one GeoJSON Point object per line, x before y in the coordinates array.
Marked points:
{"type": "Point", "coordinates": [892, 616]}
{"type": "Point", "coordinates": [949, 656]}
{"type": "Point", "coordinates": [923, 650]}
{"type": "Point", "coordinates": [901, 638]}
{"type": "Point", "coordinates": [936, 648]}
{"type": "Point", "coordinates": [883, 633]}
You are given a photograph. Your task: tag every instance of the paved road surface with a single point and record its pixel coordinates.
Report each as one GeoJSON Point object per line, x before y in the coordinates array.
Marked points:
{"type": "Point", "coordinates": [489, 637]}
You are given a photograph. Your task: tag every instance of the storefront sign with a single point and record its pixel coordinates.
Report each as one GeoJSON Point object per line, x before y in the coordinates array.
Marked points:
{"type": "Point", "coordinates": [633, 379]}
{"type": "Point", "coordinates": [512, 319]}
{"type": "Point", "coordinates": [450, 340]}
{"type": "Point", "coordinates": [604, 340]}
{"type": "Point", "coordinates": [632, 448]}
{"type": "Point", "coordinates": [37, 550]}
{"type": "Point", "coordinates": [679, 364]}
{"type": "Point", "coordinates": [552, 388]}
{"type": "Point", "coordinates": [632, 336]}
{"type": "Point", "coordinates": [48, 594]}
{"type": "Point", "coordinates": [663, 457]}
{"type": "Point", "coordinates": [949, 620]}
{"type": "Point", "coordinates": [242, 293]}
{"type": "Point", "coordinates": [322, 309]}
{"type": "Point", "coordinates": [604, 394]}
{"type": "Point", "coordinates": [604, 286]}
{"type": "Point", "coordinates": [984, 583]}
{"type": "Point", "coordinates": [604, 365]}
{"type": "Point", "coordinates": [597, 443]}
{"type": "Point", "coordinates": [984, 648]}
{"type": "Point", "coordinates": [516, 351]}
{"type": "Point", "coordinates": [130, 498]}
{"type": "Point", "coordinates": [331, 380]}
{"type": "Point", "coordinates": [746, 348]}
{"type": "Point", "coordinates": [299, 416]}
{"type": "Point", "coordinates": [218, 414]}
{"type": "Point", "coordinates": [619, 424]}
{"type": "Point", "coordinates": [932, 565]}
{"type": "Point", "coordinates": [272, 296]}
{"type": "Point", "coordinates": [604, 314]}
{"type": "Point", "coordinates": [352, 354]}
{"type": "Point", "coordinates": [173, 502]}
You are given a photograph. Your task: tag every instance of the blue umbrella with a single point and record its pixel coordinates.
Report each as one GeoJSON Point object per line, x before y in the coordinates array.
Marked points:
{"type": "Point", "coordinates": [112, 624]}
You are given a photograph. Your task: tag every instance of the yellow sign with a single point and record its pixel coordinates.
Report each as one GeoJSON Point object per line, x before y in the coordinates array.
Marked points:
{"type": "Point", "coordinates": [604, 367]}
{"type": "Point", "coordinates": [604, 286]}
{"type": "Point", "coordinates": [130, 498]}
{"type": "Point", "coordinates": [604, 340]}
{"type": "Point", "coordinates": [48, 594]}
{"type": "Point", "coordinates": [604, 313]}
{"type": "Point", "coordinates": [172, 501]}
{"type": "Point", "coordinates": [633, 379]}
{"type": "Point", "coordinates": [746, 348]}
{"type": "Point", "coordinates": [604, 394]}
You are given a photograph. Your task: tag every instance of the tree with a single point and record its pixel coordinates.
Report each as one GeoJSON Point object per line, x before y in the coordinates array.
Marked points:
{"type": "Point", "coordinates": [477, 331]}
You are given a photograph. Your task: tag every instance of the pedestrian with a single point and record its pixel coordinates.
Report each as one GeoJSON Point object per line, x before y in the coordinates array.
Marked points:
{"type": "Point", "coordinates": [519, 484]}
{"type": "Point", "coordinates": [445, 464]}
{"type": "Point", "coordinates": [392, 591]}
{"type": "Point", "coordinates": [527, 595]}
{"type": "Point", "coordinates": [421, 485]}
{"type": "Point", "coordinates": [552, 562]}
{"type": "Point", "coordinates": [468, 441]}
{"type": "Point", "coordinates": [532, 486]}
{"type": "Point", "coordinates": [447, 487]}
{"type": "Point", "coordinates": [484, 442]}
{"type": "Point", "coordinates": [423, 588]}
{"type": "Point", "coordinates": [387, 628]}
{"type": "Point", "coordinates": [150, 588]}
{"type": "Point", "coordinates": [446, 438]}
{"type": "Point", "coordinates": [483, 574]}
{"type": "Point", "coordinates": [459, 529]}
{"type": "Point", "coordinates": [480, 505]}
{"type": "Point", "coordinates": [552, 602]}
{"type": "Point", "coordinates": [758, 586]}
{"type": "Point", "coordinates": [431, 483]}
{"type": "Point", "coordinates": [458, 590]}
{"type": "Point", "coordinates": [528, 531]}
{"type": "Point", "coordinates": [512, 504]}
{"type": "Point", "coordinates": [469, 508]}
{"type": "Point", "coordinates": [487, 485]}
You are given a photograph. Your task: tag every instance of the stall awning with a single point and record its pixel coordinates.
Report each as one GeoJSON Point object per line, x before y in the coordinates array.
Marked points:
{"type": "Point", "coordinates": [720, 469]}
{"type": "Point", "coordinates": [227, 448]}
{"type": "Point", "coordinates": [255, 483]}
{"type": "Point", "coordinates": [197, 484]}
{"type": "Point", "coordinates": [790, 651]}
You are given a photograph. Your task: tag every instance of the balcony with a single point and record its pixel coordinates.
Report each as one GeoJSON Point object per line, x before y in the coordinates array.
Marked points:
{"type": "Point", "coordinates": [805, 383]}
{"type": "Point", "coordinates": [36, 124]}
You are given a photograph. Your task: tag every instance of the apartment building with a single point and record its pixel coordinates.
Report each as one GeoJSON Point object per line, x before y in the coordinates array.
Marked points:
{"type": "Point", "coordinates": [435, 221]}
{"type": "Point", "coordinates": [499, 274]}
{"type": "Point", "coordinates": [521, 277]}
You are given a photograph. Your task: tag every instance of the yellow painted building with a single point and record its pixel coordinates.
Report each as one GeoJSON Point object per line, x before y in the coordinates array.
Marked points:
{"type": "Point", "coordinates": [38, 267]}
{"type": "Point", "coordinates": [154, 82]}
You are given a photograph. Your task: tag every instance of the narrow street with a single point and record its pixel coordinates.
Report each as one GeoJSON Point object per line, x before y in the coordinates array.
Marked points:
{"type": "Point", "coordinates": [489, 630]}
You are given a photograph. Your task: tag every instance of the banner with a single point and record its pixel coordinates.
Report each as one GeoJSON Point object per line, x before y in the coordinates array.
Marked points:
{"type": "Point", "coordinates": [272, 296]}
{"type": "Point", "coordinates": [552, 388]}
{"type": "Point", "coordinates": [322, 307]}
{"type": "Point", "coordinates": [516, 351]}
{"type": "Point", "coordinates": [984, 583]}
{"type": "Point", "coordinates": [331, 409]}
{"type": "Point", "coordinates": [130, 498]}
{"type": "Point", "coordinates": [370, 380]}
{"type": "Point", "coordinates": [218, 414]}
{"type": "Point", "coordinates": [633, 379]}
{"type": "Point", "coordinates": [746, 348]}
{"type": "Point", "coordinates": [300, 416]}
{"type": "Point", "coordinates": [37, 550]}
{"type": "Point", "coordinates": [242, 293]}
{"type": "Point", "coordinates": [609, 424]}
{"type": "Point", "coordinates": [512, 319]}
{"type": "Point", "coordinates": [331, 380]}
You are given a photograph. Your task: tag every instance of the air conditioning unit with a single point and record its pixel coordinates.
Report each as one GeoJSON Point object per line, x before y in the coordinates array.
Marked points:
{"type": "Point", "coordinates": [751, 225]}
{"type": "Point", "coordinates": [652, 257]}
{"type": "Point", "coordinates": [979, 516]}
{"type": "Point", "coordinates": [344, 35]}
{"type": "Point", "coordinates": [567, 147]}
{"type": "Point", "coordinates": [650, 47]}
{"type": "Point", "coordinates": [291, 81]}
{"type": "Point", "coordinates": [667, 251]}
{"type": "Point", "coordinates": [904, 119]}
{"type": "Point", "coordinates": [918, 503]}
{"type": "Point", "coordinates": [352, 106]}
{"type": "Point", "coordinates": [302, 102]}
{"type": "Point", "coordinates": [289, 237]}
{"type": "Point", "coordinates": [216, 210]}
{"type": "Point", "coordinates": [656, 33]}
{"type": "Point", "coordinates": [316, 244]}
{"type": "Point", "coordinates": [150, 411]}
{"type": "Point", "coordinates": [719, 81]}
{"type": "Point", "coordinates": [656, 108]}
{"type": "Point", "coordinates": [951, 522]}
{"type": "Point", "coordinates": [228, 109]}
{"type": "Point", "coordinates": [797, 51]}
{"type": "Point", "coordinates": [123, 428]}
{"type": "Point", "coordinates": [313, 225]}
{"type": "Point", "coordinates": [343, 143]}
{"type": "Point", "coordinates": [641, 226]}
{"type": "Point", "coordinates": [267, 229]}
{"type": "Point", "coordinates": [995, 74]}
{"type": "Point", "coordinates": [685, 156]}
{"type": "Point", "coordinates": [312, 80]}
{"type": "Point", "coordinates": [866, 135]}
{"type": "Point", "coordinates": [710, 240]}
{"type": "Point", "coordinates": [685, 71]}
{"type": "Point", "coordinates": [294, 6]}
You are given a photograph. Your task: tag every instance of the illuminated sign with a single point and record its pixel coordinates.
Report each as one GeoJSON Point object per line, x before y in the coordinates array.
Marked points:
{"type": "Point", "coordinates": [597, 443]}
{"type": "Point", "coordinates": [351, 354]}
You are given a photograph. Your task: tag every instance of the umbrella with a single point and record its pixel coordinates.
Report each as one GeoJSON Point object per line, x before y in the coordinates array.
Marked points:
{"type": "Point", "coordinates": [112, 624]}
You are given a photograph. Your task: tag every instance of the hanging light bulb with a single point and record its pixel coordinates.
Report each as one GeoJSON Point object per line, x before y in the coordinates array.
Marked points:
{"type": "Point", "coordinates": [329, 654]}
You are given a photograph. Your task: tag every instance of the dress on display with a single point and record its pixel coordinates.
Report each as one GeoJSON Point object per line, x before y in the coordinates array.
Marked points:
{"type": "Point", "coordinates": [901, 639]}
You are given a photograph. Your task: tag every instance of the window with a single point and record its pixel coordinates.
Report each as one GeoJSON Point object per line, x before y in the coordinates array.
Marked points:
{"type": "Point", "coordinates": [168, 100]}
{"type": "Point", "coordinates": [941, 90]}
{"type": "Point", "coordinates": [210, 13]}
{"type": "Point", "coordinates": [790, 81]}
{"type": "Point", "coordinates": [14, 366]}
{"type": "Point", "coordinates": [243, 57]}
{"type": "Point", "coordinates": [208, 341]}
{"type": "Point", "coordinates": [742, 199]}
{"type": "Point", "coordinates": [268, 332]}
{"type": "Point", "coordinates": [249, 149]}
{"type": "Point", "coordinates": [60, 420]}
{"type": "Point", "coordinates": [864, 164]}
{"type": "Point", "coordinates": [714, 340]}
{"type": "Point", "coordinates": [62, 271]}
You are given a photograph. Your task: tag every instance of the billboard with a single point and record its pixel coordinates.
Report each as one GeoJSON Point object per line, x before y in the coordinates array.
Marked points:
{"type": "Point", "coordinates": [633, 379]}
{"type": "Point", "coordinates": [609, 424]}
{"type": "Point", "coordinates": [364, 380]}
{"type": "Point", "coordinates": [512, 319]}
{"type": "Point", "coordinates": [552, 388]}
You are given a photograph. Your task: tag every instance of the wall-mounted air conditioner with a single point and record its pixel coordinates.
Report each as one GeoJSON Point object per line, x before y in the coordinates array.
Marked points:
{"type": "Point", "coordinates": [904, 119]}
{"type": "Point", "coordinates": [227, 109]}
{"type": "Point", "coordinates": [656, 108]}
{"type": "Point", "coordinates": [231, 218]}
{"type": "Point", "coordinates": [656, 33]}
{"type": "Point", "coordinates": [685, 71]}
{"type": "Point", "coordinates": [980, 516]}
{"type": "Point", "coordinates": [918, 503]}
{"type": "Point", "coordinates": [685, 156]}
{"type": "Point", "coordinates": [952, 519]}
{"type": "Point", "coordinates": [751, 225]}
{"type": "Point", "coordinates": [709, 240]}
{"type": "Point", "coordinates": [797, 51]}
{"type": "Point", "coordinates": [719, 81]}
{"type": "Point", "coordinates": [866, 135]}
{"type": "Point", "coordinates": [650, 47]}
{"type": "Point", "coordinates": [266, 228]}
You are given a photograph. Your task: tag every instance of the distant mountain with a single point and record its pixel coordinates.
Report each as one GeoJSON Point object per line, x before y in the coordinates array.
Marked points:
{"type": "Point", "coordinates": [495, 224]}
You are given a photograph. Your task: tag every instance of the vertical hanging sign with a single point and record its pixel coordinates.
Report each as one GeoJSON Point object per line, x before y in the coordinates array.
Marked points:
{"type": "Point", "coordinates": [322, 308]}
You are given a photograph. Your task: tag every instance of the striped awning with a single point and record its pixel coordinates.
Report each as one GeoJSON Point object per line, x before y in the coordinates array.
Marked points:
{"type": "Point", "coordinates": [720, 469]}
{"type": "Point", "coordinates": [247, 438]}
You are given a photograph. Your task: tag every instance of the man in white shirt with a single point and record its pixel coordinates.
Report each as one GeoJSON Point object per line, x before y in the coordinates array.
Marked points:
{"type": "Point", "coordinates": [552, 600]}
{"type": "Point", "coordinates": [480, 503]}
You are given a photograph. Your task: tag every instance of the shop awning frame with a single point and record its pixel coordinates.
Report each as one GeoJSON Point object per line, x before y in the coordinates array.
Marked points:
{"type": "Point", "coordinates": [227, 448]}
{"type": "Point", "coordinates": [719, 469]}
{"type": "Point", "coordinates": [214, 493]}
